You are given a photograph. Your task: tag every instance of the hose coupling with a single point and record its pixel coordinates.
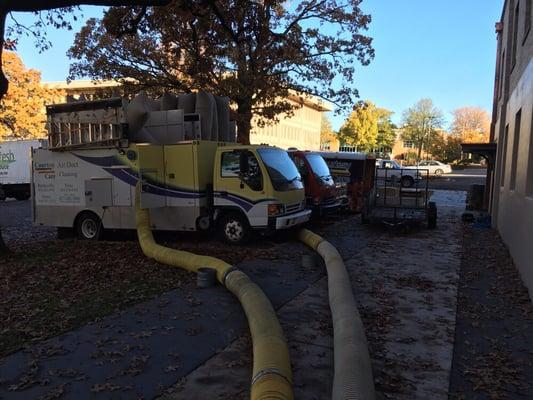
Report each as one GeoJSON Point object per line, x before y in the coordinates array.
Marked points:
{"type": "Point", "coordinates": [269, 371]}
{"type": "Point", "coordinates": [226, 274]}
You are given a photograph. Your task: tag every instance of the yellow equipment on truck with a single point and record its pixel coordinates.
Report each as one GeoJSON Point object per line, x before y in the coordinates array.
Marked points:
{"type": "Point", "coordinates": [98, 150]}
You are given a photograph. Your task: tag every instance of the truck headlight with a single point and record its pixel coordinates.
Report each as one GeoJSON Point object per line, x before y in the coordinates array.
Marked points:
{"type": "Point", "coordinates": [275, 209]}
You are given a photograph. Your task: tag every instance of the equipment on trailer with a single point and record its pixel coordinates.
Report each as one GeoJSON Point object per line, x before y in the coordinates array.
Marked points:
{"type": "Point", "coordinates": [354, 176]}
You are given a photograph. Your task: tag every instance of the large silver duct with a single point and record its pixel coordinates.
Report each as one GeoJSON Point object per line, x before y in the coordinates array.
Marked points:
{"type": "Point", "coordinates": [174, 118]}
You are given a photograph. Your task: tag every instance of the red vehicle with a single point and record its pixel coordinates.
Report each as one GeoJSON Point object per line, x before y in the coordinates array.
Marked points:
{"type": "Point", "coordinates": [354, 176]}
{"type": "Point", "coordinates": [320, 190]}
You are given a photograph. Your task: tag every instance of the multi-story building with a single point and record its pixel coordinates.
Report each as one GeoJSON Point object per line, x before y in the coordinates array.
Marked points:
{"type": "Point", "coordinates": [512, 181]}
{"type": "Point", "coordinates": [300, 130]}
{"type": "Point", "coordinates": [405, 149]}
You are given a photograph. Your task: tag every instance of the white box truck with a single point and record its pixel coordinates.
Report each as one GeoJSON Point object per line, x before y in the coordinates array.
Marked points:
{"type": "Point", "coordinates": [15, 167]}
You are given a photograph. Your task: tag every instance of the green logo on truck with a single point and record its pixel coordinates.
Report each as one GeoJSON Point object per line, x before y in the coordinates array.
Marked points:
{"type": "Point", "coordinates": [6, 159]}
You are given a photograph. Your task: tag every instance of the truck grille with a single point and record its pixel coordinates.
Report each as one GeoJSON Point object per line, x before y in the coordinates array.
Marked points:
{"type": "Point", "coordinates": [329, 200]}
{"type": "Point", "coordinates": [292, 207]}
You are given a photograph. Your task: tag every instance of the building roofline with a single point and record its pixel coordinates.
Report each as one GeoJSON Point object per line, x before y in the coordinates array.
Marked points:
{"type": "Point", "coordinates": [305, 98]}
{"type": "Point", "coordinates": [82, 84]}
{"type": "Point", "coordinates": [311, 101]}
{"type": "Point", "coordinates": [503, 10]}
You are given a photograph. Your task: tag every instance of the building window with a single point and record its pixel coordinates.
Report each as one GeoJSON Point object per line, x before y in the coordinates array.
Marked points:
{"type": "Point", "coordinates": [504, 156]}
{"type": "Point", "coordinates": [409, 144]}
{"type": "Point", "coordinates": [516, 141]}
{"type": "Point", "coordinates": [527, 21]}
{"type": "Point", "coordinates": [515, 33]}
{"type": "Point", "coordinates": [529, 176]}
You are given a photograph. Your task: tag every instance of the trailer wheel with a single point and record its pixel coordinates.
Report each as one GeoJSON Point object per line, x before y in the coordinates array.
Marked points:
{"type": "Point", "coordinates": [234, 228]}
{"type": "Point", "coordinates": [89, 226]}
{"type": "Point", "coordinates": [432, 215]}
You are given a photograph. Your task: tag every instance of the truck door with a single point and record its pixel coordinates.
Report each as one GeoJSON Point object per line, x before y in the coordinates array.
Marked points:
{"type": "Point", "coordinates": [152, 174]}
{"type": "Point", "coordinates": [241, 180]}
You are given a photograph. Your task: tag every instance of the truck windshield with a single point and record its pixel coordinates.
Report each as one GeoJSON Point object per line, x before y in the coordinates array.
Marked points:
{"type": "Point", "coordinates": [318, 165]}
{"type": "Point", "coordinates": [282, 171]}
{"type": "Point", "coordinates": [396, 165]}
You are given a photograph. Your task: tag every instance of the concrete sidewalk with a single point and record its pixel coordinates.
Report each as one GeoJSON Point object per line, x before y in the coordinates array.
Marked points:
{"type": "Point", "coordinates": [406, 288]}
{"type": "Point", "coordinates": [195, 344]}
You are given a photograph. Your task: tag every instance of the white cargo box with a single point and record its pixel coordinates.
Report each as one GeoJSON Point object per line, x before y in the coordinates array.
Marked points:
{"type": "Point", "coordinates": [15, 164]}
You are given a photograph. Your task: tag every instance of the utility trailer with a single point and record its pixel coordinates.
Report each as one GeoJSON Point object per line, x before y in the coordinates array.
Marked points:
{"type": "Point", "coordinates": [391, 203]}
{"type": "Point", "coordinates": [192, 175]}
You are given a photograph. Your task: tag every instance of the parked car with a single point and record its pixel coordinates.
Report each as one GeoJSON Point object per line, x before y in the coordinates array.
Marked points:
{"type": "Point", "coordinates": [435, 167]}
{"type": "Point", "coordinates": [391, 170]}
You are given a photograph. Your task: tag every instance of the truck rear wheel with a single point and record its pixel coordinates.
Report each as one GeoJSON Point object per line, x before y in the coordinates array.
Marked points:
{"type": "Point", "coordinates": [89, 226]}
{"type": "Point", "coordinates": [234, 228]}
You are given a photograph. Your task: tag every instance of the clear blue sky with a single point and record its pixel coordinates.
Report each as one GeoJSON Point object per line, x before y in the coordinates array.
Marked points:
{"type": "Point", "coordinates": [444, 50]}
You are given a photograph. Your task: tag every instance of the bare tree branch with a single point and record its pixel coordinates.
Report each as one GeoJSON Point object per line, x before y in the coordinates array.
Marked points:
{"type": "Point", "coordinates": [32, 5]}
{"type": "Point", "coordinates": [9, 6]}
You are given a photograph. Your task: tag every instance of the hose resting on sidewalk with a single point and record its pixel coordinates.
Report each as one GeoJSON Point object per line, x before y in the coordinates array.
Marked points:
{"type": "Point", "coordinates": [353, 372]}
{"type": "Point", "coordinates": [272, 376]}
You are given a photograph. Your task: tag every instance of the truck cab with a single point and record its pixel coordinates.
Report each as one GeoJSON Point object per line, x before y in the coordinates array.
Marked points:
{"type": "Point", "coordinates": [320, 189]}
{"type": "Point", "coordinates": [256, 187]}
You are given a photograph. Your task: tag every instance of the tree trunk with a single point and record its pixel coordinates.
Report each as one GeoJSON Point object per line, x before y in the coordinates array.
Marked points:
{"type": "Point", "coordinates": [3, 91]}
{"type": "Point", "coordinates": [3, 80]}
{"type": "Point", "coordinates": [244, 121]}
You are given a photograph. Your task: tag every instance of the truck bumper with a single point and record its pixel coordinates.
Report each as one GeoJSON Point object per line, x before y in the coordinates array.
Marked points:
{"type": "Point", "coordinates": [290, 220]}
{"type": "Point", "coordinates": [324, 209]}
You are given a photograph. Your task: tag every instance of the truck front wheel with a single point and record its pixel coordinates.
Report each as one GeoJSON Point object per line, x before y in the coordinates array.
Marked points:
{"type": "Point", "coordinates": [89, 226]}
{"type": "Point", "coordinates": [234, 228]}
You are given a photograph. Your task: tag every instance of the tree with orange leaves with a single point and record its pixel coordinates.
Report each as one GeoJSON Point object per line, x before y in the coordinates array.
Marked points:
{"type": "Point", "coordinates": [471, 125]}
{"type": "Point", "coordinates": [22, 110]}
